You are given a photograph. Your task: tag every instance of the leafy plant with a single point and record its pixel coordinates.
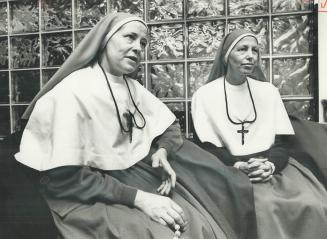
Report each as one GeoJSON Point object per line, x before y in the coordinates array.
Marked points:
{"type": "Point", "coordinates": [132, 6]}
{"type": "Point", "coordinates": [167, 80]}
{"type": "Point", "coordinates": [165, 9]}
{"type": "Point", "coordinates": [291, 5]}
{"type": "Point", "coordinates": [205, 8]}
{"type": "Point", "coordinates": [3, 18]}
{"type": "Point", "coordinates": [24, 16]}
{"type": "Point", "coordinates": [57, 48]}
{"type": "Point", "coordinates": [56, 14]}
{"type": "Point", "coordinates": [90, 12]}
{"type": "Point", "coordinates": [246, 7]}
{"type": "Point", "coordinates": [301, 109]}
{"type": "Point", "coordinates": [3, 53]}
{"type": "Point", "coordinates": [25, 85]}
{"type": "Point", "coordinates": [25, 51]}
{"type": "Point", "coordinates": [205, 38]}
{"type": "Point", "coordinates": [166, 42]}
{"type": "Point", "coordinates": [199, 73]}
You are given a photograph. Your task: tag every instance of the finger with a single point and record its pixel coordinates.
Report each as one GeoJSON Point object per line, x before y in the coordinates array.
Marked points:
{"type": "Point", "coordinates": [179, 210]}
{"type": "Point", "coordinates": [256, 173]}
{"type": "Point", "coordinates": [256, 180]}
{"type": "Point", "coordinates": [267, 179]}
{"type": "Point", "coordinates": [161, 221]}
{"type": "Point", "coordinates": [161, 186]}
{"type": "Point", "coordinates": [167, 191]}
{"type": "Point", "coordinates": [170, 171]}
{"type": "Point", "coordinates": [162, 191]}
{"type": "Point", "coordinates": [265, 174]}
{"type": "Point", "coordinates": [155, 161]}
{"type": "Point", "coordinates": [168, 219]}
{"type": "Point", "coordinates": [177, 217]}
{"type": "Point", "coordinates": [251, 160]}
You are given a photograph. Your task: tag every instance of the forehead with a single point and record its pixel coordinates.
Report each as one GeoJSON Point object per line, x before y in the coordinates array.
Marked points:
{"type": "Point", "coordinates": [247, 41]}
{"type": "Point", "coordinates": [136, 27]}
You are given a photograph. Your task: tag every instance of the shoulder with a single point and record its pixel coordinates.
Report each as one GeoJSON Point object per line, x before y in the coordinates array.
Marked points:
{"type": "Point", "coordinates": [209, 88]}
{"type": "Point", "coordinates": [264, 87]}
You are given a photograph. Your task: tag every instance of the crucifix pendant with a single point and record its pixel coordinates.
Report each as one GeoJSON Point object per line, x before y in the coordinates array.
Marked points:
{"type": "Point", "coordinates": [129, 123]}
{"type": "Point", "coordinates": [242, 131]}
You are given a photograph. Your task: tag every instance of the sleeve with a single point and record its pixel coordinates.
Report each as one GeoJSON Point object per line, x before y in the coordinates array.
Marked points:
{"type": "Point", "coordinates": [86, 185]}
{"type": "Point", "coordinates": [278, 153]}
{"type": "Point", "coordinates": [171, 139]}
{"type": "Point", "coordinates": [283, 124]}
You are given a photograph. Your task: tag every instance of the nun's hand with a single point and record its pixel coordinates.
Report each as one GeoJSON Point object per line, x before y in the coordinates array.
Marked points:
{"type": "Point", "coordinates": [260, 170]}
{"type": "Point", "coordinates": [159, 159]}
{"type": "Point", "coordinates": [161, 209]}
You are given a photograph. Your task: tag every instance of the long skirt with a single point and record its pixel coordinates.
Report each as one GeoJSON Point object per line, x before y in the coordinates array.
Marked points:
{"type": "Point", "coordinates": [217, 201]}
{"type": "Point", "coordinates": [292, 205]}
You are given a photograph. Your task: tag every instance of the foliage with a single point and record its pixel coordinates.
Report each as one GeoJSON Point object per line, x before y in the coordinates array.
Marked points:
{"type": "Point", "coordinates": [205, 8]}
{"type": "Point", "coordinates": [199, 73]}
{"type": "Point", "coordinates": [25, 85]}
{"type": "Point", "coordinates": [79, 35]}
{"type": "Point", "coordinates": [291, 34]}
{"type": "Point", "coordinates": [246, 7]}
{"type": "Point", "coordinates": [4, 120]}
{"type": "Point", "coordinates": [167, 80]}
{"type": "Point", "coordinates": [17, 112]}
{"type": "Point", "coordinates": [132, 6]}
{"type": "Point", "coordinates": [47, 74]}
{"type": "Point", "coordinates": [205, 38]}
{"type": "Point", "coordinates": [89, 12]}
{"type": "Point", "coordinates": [25, 51]}
{"type": "Point", "coordinates": [56, 49]}
{"type": "Point", "coordinates": [56, 14]}
{"type": "Point", "coordinates": [300, 109]}
{"type": "Point", "coordinates": [166, 42]}
{"type": "Point", "coordinates": [24, 16]}
{"type": "Point", "coordinates": [4, 87]}
{"type": "Point", "coordinates": [259, 26]}
{"type": "Point", "coordinates": [165, 9]}
{"type": "Point", "coordinates": [292, 76]}
{"type": "Point", "coordinates": [291, 5]}
{"type": "Point", "coordinates": [3, 53]}
{"type": "Point", "coordinates": [179, 110]}
{"type": "Point", "coordinates": [3, 18]}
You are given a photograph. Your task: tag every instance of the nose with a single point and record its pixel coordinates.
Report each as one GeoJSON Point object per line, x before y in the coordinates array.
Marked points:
{"type": "Point", "coordinates": [249, 54]}
{"type": "Point", "coordinates": [137, 47]}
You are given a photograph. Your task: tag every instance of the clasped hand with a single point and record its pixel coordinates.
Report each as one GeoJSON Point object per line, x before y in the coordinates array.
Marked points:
{"type": "Point", "coordinates": [159, 159]}
{"type": "Point", "coordinates": [258, 169]}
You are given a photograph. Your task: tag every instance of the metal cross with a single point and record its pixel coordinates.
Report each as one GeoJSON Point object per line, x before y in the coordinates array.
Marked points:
{"type": "Point", "coordinates": [243, 131]}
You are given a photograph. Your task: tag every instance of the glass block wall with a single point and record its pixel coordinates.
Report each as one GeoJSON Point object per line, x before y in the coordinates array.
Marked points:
{"type": "Point", "coordinates": [36, 36]}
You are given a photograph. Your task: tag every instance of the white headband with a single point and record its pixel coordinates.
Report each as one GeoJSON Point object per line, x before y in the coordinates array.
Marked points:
{"type": "Point", "coordinates": [235, 42]}
{"type": "Point", "coordinates": [116, 28]}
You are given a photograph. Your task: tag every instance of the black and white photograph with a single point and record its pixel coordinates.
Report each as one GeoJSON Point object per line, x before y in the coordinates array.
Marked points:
{"type": "Point", "coordinates": [163, 119]}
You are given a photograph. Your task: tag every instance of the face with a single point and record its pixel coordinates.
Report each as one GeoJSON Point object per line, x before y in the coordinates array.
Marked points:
{"type": "Point", "coordinates": [125, 48]}
{"type": "Point", "coordinates": [244, 56]}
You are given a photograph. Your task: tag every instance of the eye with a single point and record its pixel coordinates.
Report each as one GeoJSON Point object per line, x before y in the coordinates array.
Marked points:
{"type": "Point", "coordinates": [130, 37]}
{"type": "Point", "coordinates": [144, 43]}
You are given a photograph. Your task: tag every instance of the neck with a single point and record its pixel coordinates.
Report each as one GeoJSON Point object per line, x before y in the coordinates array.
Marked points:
{"type": "Point", "coordinates": [235, 78]}
{"type": "Point", "coordinates": [104, 62]}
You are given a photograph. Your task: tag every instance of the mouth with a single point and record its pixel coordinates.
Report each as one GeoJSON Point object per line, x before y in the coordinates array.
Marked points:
{"type": "Point", "coordinates": [133, 58]}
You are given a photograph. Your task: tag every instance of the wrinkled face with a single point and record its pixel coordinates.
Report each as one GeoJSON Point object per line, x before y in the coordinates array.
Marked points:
{"type": "Point", "coordinates": [244, 56]}
{"type": "Point", "coordinates": [125, 48]}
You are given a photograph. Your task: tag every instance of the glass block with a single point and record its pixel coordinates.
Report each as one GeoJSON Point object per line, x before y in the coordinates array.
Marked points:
{"type": "Point", "coordinates": [166, 42]}
{"type": "Point", "coordinates": [237, 7]}
{"type": "Point", "coordinates": [259, 26]}
{"type": "Point", "coordinates": [56, 48]}
{"type": "Point", "coordinates": [79, 36]}
{"type": "Point", "coordinates": [25, 51]}
{"type": "Point", "coordinates": [3, 18]}
{"type": "Point", "coordinates": [135, 7]}
{"type": "Point", "coordinates": [17, 112]}
{"type": "Point", "coordinates": [301, 109]}
{"type": "Point", "coordinates": [24, 85]}
{"type": "Point", "coordinates": [179, 110]}
{"type": "Point", "coordinates": [4, 120]}
{"type": "Point", "coordinates": [24, 16]}
{"type": "Point", "coordinates": [292, 76]}
{"type": "Point", "coordinates": [47, 74]}
{"type": "Point", "coordinates": [265, 68]}
{"type": "Point", "coordinates": [167, 80]}
{"type": "Point", "coordinates": [198, 75]}
{"type": "Point", "coordinates": [205, 8]}
{"type": "Point", "coordinates": [4, 87]}
{"type": "Point", "coordinates": [292, 34]}
{"type": "Point", "coordinates": [3, 53]}
{"type": "Point", "coordinates": [169, 9]}
{"type": "Point", "coordinates": [190, 122]}
{"type": "Point", "coordinates": [291, 5]}
{"type": "Point", "coordinates": [204, 38]}
{"type": "Point", "coordinates": [56, 14]}
{"type": "Point", "coordinates": [89, 12]}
